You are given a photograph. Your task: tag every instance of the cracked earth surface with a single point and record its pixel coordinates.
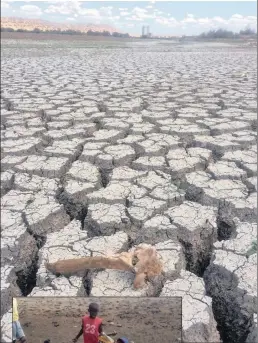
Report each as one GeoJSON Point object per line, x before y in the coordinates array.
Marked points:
{"type": "Point", "coordinates": [104, 149]}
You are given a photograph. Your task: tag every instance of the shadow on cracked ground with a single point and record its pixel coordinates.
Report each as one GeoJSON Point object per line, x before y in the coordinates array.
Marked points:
{"type": "Point", "coordinates": [141, 320]}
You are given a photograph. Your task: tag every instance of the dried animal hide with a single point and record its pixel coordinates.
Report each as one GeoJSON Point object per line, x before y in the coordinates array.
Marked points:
{"type": "Point", "coordinates": [143, 260]}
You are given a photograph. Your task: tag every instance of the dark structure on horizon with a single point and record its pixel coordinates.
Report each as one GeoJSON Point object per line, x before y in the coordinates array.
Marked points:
{"type": "Point", "coordinates": [147, 34]}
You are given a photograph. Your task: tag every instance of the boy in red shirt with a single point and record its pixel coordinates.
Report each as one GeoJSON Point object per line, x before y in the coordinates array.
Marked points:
{"type": "Point", "coordinates": [91, 326]}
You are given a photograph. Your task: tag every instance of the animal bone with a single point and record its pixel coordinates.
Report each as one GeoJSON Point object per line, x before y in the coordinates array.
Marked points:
{"type": "Point", "coordinates": [78, 264]}
{"type": "Point", "coordinates": [142, 260]}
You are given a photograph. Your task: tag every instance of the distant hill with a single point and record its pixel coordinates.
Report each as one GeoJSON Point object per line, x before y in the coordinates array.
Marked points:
{"type": "Point", "coordinates": [43, 25]}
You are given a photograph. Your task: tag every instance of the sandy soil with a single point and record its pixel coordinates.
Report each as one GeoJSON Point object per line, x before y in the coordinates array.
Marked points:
{"type": "Point", "coordinates": [141, 320]}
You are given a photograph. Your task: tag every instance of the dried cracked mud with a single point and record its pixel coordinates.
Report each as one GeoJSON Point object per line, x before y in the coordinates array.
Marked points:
{"type": "Point", "coordinates": [105, 148]}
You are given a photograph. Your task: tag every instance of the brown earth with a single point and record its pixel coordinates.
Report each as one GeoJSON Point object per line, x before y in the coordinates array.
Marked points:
{"type": "Point", "coordinates": [142, 320]}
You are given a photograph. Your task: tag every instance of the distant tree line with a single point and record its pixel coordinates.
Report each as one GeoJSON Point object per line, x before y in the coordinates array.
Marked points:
{"type": "Point", "coordinates": [212, 34]}
{"type": "Point", "coordinates": [69, 32]}
{"type": "Point", "coordinates": [248, 32]}
{"type": "Point", "coordinates": [108, 34]}
{"type": "Point", "coordinates": [221, 33]}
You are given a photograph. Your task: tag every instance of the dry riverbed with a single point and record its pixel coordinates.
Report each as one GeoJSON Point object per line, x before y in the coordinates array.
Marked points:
{"type": "Point", "coordinates": [105, 146]}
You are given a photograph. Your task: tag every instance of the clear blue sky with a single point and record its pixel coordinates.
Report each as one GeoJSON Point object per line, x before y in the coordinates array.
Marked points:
{"type": "Point", "coordinates": [164, 18]}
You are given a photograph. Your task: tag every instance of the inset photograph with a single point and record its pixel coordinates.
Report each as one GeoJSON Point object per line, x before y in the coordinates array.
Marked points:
{"type": "Point", "coordinates": [97, 319]}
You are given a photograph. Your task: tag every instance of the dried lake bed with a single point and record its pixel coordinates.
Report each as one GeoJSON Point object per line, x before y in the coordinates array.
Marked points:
{"type": "Point", "coordinates": [107, 145]}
